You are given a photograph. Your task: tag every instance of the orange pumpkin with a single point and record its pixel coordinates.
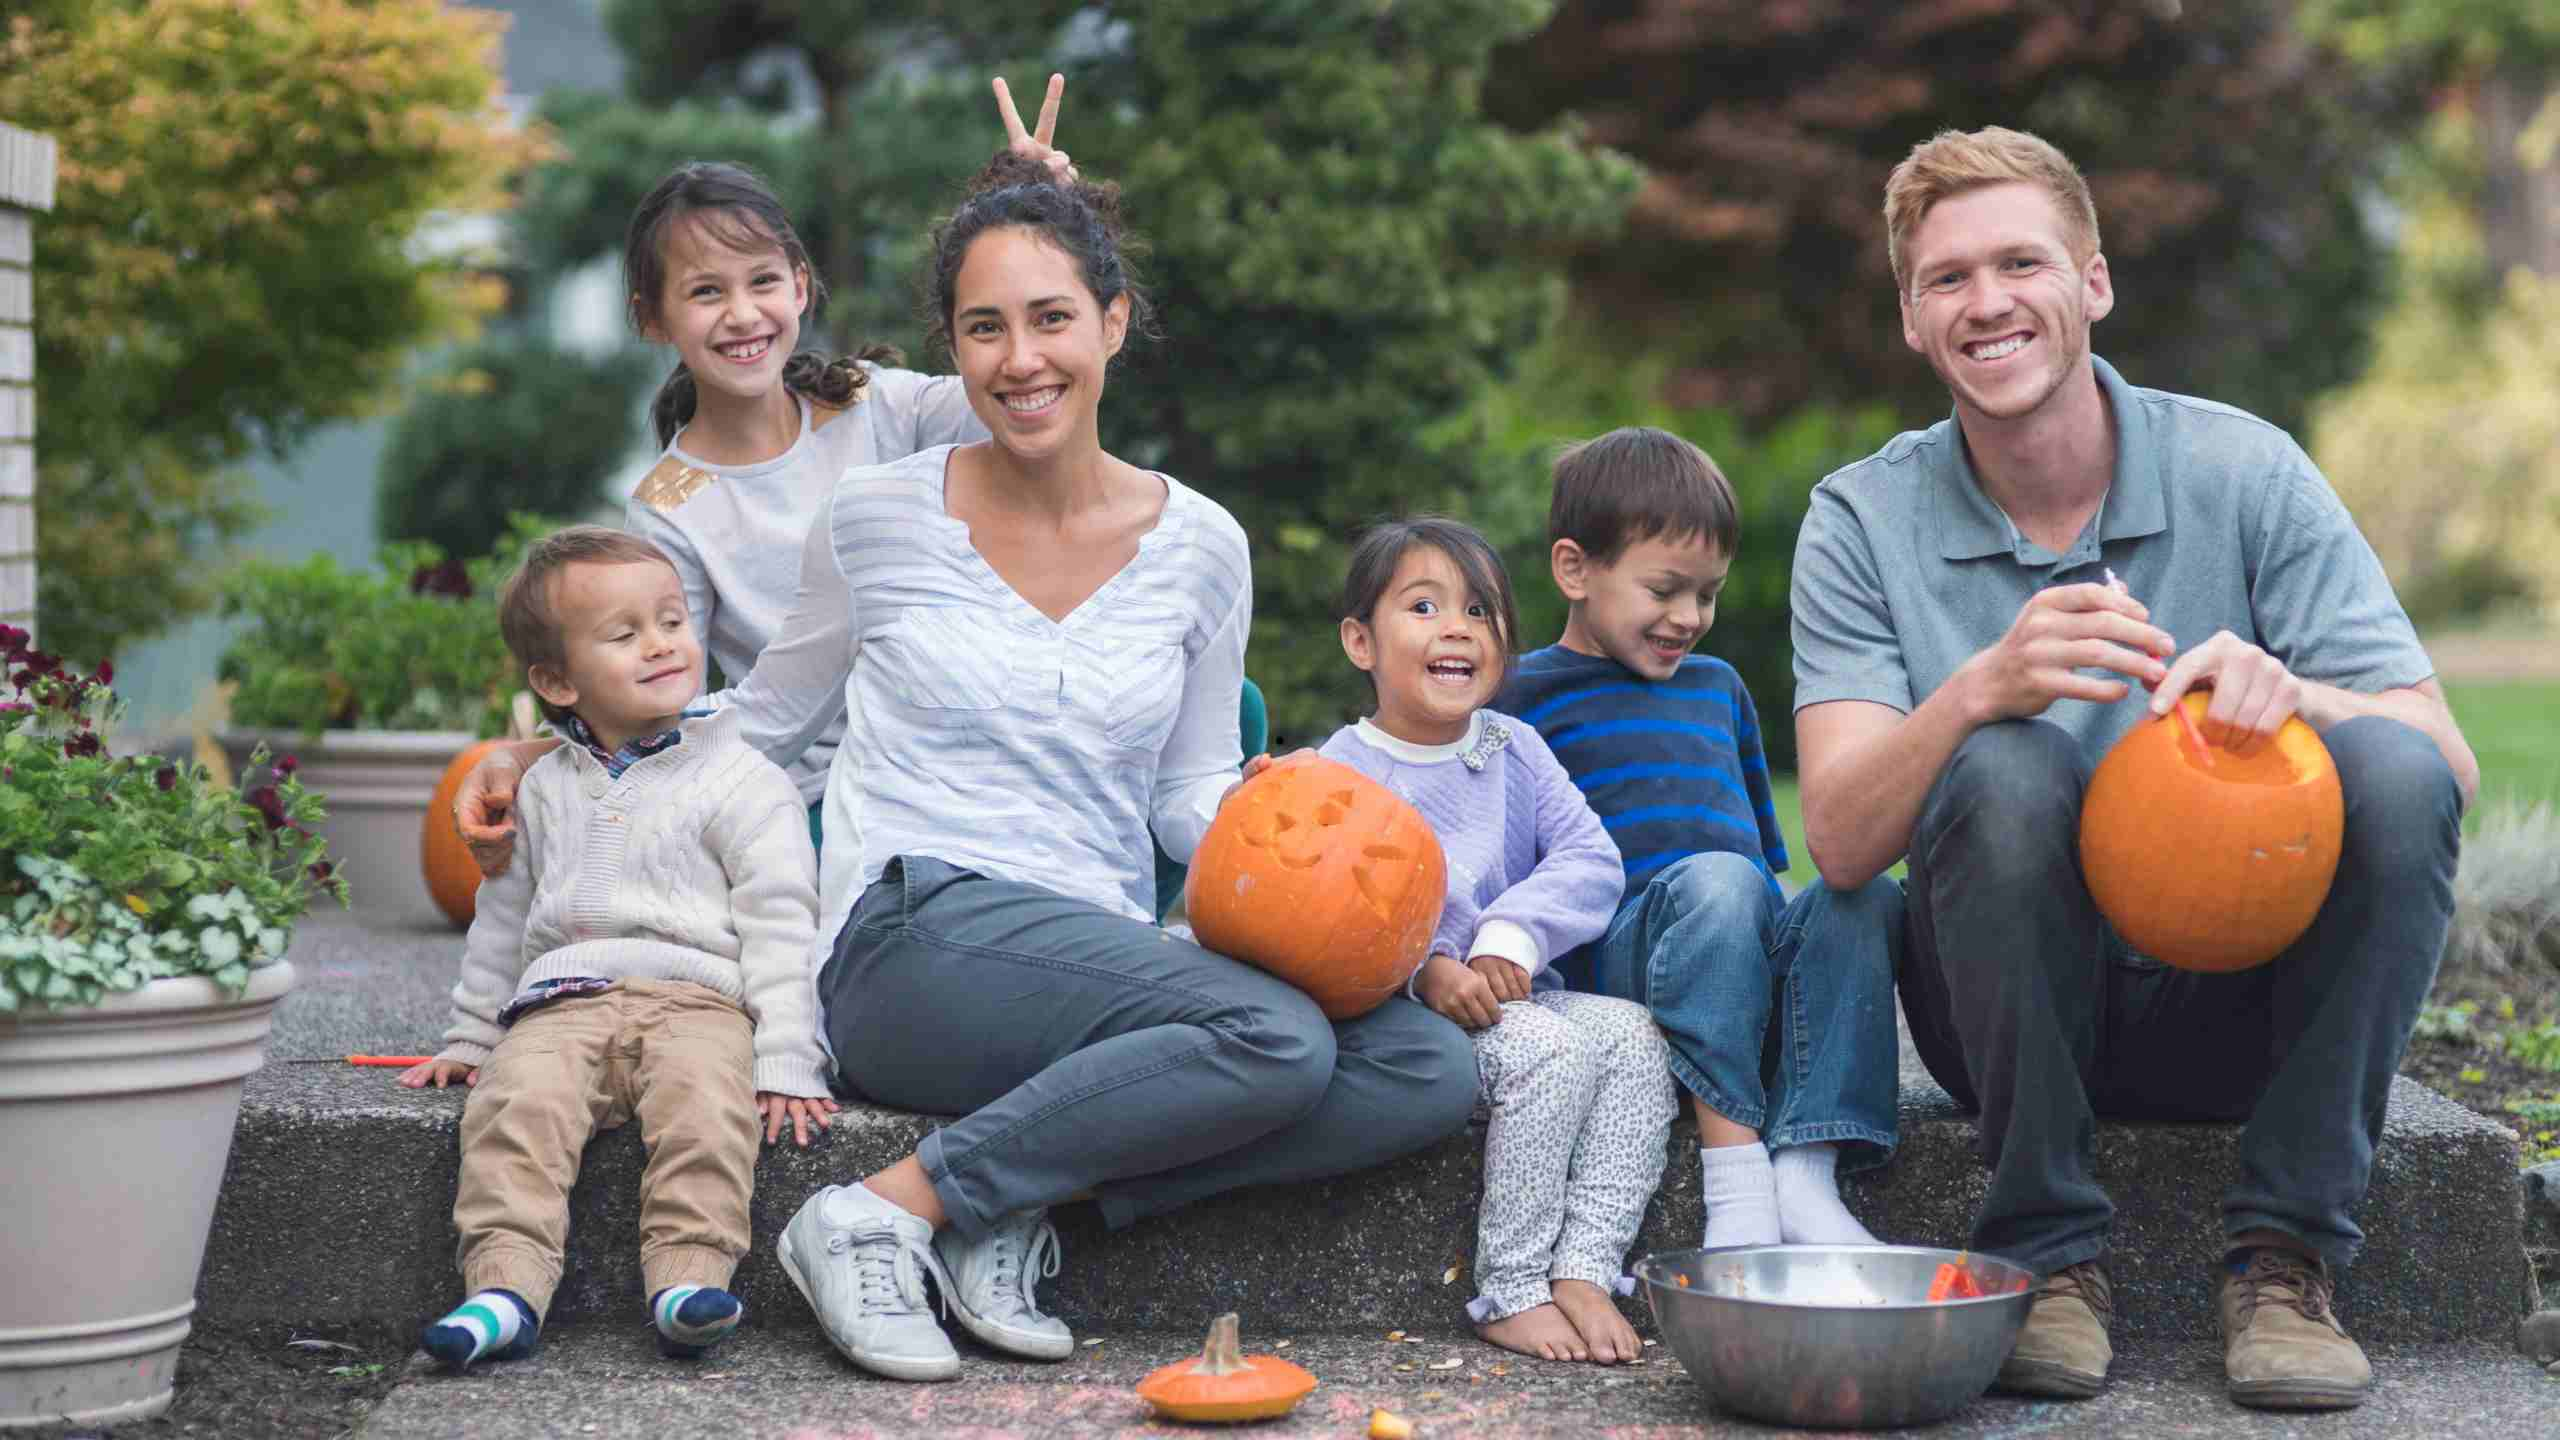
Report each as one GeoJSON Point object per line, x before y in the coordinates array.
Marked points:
{"type": "Point", "coordinates": [1224, 1383]}
{"type": "Point", "coordinates": [2204, 858]}
{"type": "Point", "coordinates": [452, 879]}
{"type": "Point", "coordinates": [1322, 876]}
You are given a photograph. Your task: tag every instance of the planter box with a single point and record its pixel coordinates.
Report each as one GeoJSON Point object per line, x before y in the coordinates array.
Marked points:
{"type": "Point", "coordinates": [115, 1121]}
{"type": "Point", "coordinates": [376, 784]}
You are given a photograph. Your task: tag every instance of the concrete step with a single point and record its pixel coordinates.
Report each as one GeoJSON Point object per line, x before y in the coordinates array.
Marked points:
{"type": "Point", "coordinates": [604, 1378]}
{"type": "Point", "coordinates": [337, 1206]}
{"type": "Point", "coordinates": [338, 1199]}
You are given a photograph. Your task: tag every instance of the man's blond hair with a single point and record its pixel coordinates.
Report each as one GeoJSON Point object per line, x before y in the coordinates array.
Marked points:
{"type": "Point", "coordinates": [1952, 162]}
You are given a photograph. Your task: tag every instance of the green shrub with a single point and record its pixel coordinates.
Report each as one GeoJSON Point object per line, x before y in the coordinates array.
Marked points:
{"type": "Point", "coordinates": [512, 425]}
{"type": "Point", "coordinates": [412, 644]}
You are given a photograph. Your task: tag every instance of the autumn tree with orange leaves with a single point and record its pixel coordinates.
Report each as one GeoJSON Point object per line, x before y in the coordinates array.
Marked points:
{"type": "Point", "coordinates": [233, 258]}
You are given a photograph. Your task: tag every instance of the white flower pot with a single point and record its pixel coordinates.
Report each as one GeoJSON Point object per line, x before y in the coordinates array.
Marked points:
{"type": "Point", "coordinates": [376, 784]}
{"type": "Point", "coordinates": [115, 1124]}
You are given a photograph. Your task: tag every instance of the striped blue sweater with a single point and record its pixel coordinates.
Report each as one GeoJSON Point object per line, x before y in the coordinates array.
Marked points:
{"type": "Point", "coordinates": [1674, 767]}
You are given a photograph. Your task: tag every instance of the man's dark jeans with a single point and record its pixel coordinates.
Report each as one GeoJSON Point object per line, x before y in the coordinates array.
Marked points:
{"type": "Point", "coordinates": [2026, 1006]}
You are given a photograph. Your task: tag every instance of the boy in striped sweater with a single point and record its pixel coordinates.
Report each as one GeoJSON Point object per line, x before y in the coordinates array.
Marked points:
{"type": "Point", "coordinates": [1779, 1011]}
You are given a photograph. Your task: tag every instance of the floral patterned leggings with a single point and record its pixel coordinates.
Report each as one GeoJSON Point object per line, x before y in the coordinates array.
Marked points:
{"type": "Point", "coordinates": [1579, 1090]}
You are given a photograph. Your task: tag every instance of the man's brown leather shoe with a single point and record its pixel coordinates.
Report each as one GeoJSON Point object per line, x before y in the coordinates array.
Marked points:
{"type": "Point", "coordinates": [2282, 1345]}
{"type": "Point", "coordinates": [2062, 1351]}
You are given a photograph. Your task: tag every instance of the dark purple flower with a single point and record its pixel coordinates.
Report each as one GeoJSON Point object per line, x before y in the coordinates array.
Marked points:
{"type": "Point", "coordinates": [269, 804]}
{"type": "Point", "coordinates": [448, 578]}
{"type": "Point", "coordinates": [167, 779]}
{"type": "Point", "coordinates": [322, 870]}
{"type": "Point", "coordinates": [82, 746]}
{"type": "Point", "coordinates": [106, 672]}
{"type": "Point", "coordinates": [286, 766]}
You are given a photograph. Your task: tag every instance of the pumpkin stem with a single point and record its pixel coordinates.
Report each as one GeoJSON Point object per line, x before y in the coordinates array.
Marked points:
{"type": "Point", "coordinates": [1224, 1352]}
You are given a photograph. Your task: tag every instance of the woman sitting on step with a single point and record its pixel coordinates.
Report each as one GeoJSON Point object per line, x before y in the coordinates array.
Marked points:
{"type": "Point", "coordinates": [1040, 649]}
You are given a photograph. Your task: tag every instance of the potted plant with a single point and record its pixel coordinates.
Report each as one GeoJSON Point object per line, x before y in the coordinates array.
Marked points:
{"type": "Point", "coordinates": [375, 680]}
{"type": "Point", "coordinates": [145, 908]}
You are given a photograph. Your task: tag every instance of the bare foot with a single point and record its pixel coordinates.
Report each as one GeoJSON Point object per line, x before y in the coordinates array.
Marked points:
{"type": "Point", "coordinates": [1611, 1340]}
{"type": "Point", "coordinates": [1540, 1330]}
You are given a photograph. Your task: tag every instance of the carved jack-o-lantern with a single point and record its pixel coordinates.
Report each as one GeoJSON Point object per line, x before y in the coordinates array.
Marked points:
{"type": "Point", "coordinates": [1323, 877]}
{"type": "Point", "coordinates": [2206, 859]}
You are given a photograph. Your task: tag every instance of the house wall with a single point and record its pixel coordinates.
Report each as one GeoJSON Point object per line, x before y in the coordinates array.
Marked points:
{"type": "Point", "coordinates": [26, 191]}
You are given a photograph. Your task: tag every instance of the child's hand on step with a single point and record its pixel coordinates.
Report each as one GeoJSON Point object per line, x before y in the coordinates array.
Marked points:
{"type": "Point", "coordinates": [439, 1073]}
{"type": "Point", "coordinates": [1508, 980]}
{"type": "Point", "coordinates": [801, 1111]}
{"type": "Point", "coordinates": [1457, 992]}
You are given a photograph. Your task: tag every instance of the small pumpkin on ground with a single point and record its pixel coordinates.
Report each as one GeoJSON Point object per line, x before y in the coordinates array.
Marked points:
{"type": "Point", "coordinates": [1325, 878]}
{"type": "Point", "coordinates": [1222, 1383]}
{"type": "Point", "coordinates": [2204, 858]}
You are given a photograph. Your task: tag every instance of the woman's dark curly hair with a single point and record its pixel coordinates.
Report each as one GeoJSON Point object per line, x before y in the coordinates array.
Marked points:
{"type": "Point", "coordinates": [734, 206]}
{"type": "Point", "coordinates": [1082, 218]}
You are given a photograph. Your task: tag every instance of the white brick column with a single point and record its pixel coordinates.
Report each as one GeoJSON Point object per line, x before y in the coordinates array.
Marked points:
{"type": "Point", "coordinates": [26, 187]}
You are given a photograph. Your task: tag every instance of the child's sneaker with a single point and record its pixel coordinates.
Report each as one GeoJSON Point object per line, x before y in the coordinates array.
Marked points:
{"type": "Point", "coordinates": [860, 1262]}
{"type": "Point", "coordinates": [692, 1318]}
{"type": "Point", "coordinates": [992, 1282]}
{"type": "Point", "coordinates": [491, 1325]}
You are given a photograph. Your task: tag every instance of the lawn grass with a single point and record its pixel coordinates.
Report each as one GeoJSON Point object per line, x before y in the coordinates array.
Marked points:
{"type": "Point", "coordinates": [2513, 726]}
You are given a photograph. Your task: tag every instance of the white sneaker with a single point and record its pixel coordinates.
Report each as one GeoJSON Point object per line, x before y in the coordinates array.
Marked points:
{"type": "Point", "coordinates": [991, 1283]}
{"type": "Point", "coordinates": [866, 1281]}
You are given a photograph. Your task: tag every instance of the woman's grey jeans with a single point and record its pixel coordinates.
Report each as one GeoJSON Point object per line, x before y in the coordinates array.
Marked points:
{"type": "Point", "coordinates": [1087, 1051]}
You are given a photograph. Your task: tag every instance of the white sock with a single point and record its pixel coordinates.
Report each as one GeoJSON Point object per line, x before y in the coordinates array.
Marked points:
{"type": "Point", "coordinates": [1741, 1194]}
{"type": "Point", "coordinates": [1809, 1208]}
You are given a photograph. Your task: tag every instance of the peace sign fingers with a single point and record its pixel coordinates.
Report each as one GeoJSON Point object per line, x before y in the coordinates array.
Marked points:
{"type": "Point", "coordinates": [1033, 140]}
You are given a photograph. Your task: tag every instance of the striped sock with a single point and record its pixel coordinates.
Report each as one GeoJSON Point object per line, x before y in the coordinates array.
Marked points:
{"type": "Point", "coordinates": [493, 1324]}
{"type": "Point", "coordinates": [693, 1318]}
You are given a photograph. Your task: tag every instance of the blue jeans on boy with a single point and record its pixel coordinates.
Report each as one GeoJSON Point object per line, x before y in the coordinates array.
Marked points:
{"type": "Point", "coordinates": [1779, 1012]}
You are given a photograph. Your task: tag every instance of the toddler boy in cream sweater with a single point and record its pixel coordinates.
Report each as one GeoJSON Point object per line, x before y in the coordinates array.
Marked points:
{"type": "Point", "coordinates": [647, 956]}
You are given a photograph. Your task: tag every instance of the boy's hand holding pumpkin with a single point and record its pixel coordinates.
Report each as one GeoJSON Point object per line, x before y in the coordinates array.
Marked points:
{"type": "Point", "coordinates": [801, 1111]}
{"type": "Point", "coordinates": [1457, 991]}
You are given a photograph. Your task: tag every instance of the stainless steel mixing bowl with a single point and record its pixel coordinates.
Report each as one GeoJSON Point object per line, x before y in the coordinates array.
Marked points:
{"type": "Point", "coordinates": [1834, 1335]}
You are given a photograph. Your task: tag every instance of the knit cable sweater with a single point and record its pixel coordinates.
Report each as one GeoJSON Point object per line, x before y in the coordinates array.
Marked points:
{"type": "Point", "coordinates": [695, 865]}
{"type": "Point", "coordinates": [1532, 872]}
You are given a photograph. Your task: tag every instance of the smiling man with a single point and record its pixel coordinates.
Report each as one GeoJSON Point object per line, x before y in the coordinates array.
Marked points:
{"type": "Point", "coordinates": [1965, 652]}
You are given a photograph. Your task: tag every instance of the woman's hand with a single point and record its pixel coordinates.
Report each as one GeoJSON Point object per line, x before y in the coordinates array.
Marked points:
{"type": "Point", "coordinates": [800, 1110]}
{"type": "Point", "coordinates": [1457, 992]}
{"type": "Point", "coordinates": [439, 1073]}
{"type": "Point", "coordinates": [1034, 143]}
{"type": "Point", "coordinates": [1504, 974]}
{"type": "Point", "coordinates": [483, 806]}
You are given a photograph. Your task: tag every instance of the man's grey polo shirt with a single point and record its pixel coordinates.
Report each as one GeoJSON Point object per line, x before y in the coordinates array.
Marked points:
{"type": "Point", "coordinates": [2216, 520]}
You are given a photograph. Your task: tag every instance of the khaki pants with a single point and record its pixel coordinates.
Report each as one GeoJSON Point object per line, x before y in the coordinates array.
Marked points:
{"type": "Point", "coordinates": [678, 1056]}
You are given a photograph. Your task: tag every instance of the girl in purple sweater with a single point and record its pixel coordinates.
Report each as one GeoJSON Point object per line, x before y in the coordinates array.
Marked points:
{"type": "Point", "coordinates": [1578, 1086]}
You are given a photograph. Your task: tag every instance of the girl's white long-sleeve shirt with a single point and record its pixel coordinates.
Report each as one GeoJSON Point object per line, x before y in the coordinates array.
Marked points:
{"type": "Point", "coordinates": [979, 731]}
{"type": "Point", "coordinates": [734, 531]}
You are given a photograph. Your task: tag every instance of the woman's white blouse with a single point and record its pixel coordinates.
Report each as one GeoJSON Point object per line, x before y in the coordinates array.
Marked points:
{"type": "Point", "coordinates": [980, 732]}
